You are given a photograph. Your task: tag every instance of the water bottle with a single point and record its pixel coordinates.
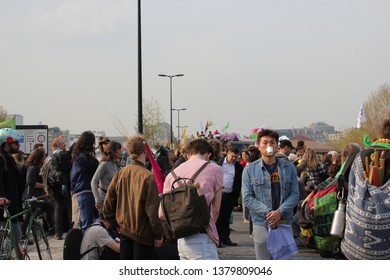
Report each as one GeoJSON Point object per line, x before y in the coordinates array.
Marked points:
{"type": "Point", "coordinates": [338, 222]}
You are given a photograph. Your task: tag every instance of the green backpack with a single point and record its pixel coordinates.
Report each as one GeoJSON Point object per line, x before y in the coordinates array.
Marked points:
{"type": "Point", "coordinates": [322, 207]}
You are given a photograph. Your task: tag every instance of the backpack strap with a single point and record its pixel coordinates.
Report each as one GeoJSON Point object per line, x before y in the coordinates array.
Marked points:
{"type": "Point", "coordinates": [199, 170]}
{"type": "Point", "coordinates": [177, 179]}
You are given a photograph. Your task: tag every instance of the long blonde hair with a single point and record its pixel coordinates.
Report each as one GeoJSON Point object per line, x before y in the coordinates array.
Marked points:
{"type": "Point", "coordinates": [312, 160]}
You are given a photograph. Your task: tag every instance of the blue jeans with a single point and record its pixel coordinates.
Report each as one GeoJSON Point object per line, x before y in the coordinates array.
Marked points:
{"type": "Point", "coordinates": [197, 247]}
{"type": "Point", "coordinates": [88, 212]}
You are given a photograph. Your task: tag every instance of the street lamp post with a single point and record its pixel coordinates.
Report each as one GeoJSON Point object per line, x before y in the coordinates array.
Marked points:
{"type": "Point", "coordinates": [140, 117]}
{"type": "Point", "coordinates": [170, 109]}
{"type": "Point", "coordinates": [178, 122]}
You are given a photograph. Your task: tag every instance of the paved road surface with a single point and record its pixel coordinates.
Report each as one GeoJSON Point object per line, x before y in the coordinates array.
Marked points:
{"type": "Point", "coordinates": [240, 235]}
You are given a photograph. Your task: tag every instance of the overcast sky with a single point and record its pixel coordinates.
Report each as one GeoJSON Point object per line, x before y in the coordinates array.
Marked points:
{"type": "Point", "coordinates": [278, 64]}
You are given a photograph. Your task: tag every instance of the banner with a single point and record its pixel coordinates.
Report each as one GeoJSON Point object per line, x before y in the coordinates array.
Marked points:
{"type": "Point", "coordinates": [158, 175]}
{"type": "Point", "coordinates": [10, 123]}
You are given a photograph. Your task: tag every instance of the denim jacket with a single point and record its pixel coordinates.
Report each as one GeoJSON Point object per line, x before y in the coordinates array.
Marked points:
{"type": "Point", "coordinates": [256, 190]}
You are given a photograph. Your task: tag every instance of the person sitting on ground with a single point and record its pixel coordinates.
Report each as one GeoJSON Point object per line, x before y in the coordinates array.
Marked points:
{"type": "Point", "coordinates": [100, 240]}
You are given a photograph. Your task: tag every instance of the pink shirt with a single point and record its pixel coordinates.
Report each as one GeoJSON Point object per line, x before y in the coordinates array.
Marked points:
{"type": "Point", "coordinates": [210, 180]}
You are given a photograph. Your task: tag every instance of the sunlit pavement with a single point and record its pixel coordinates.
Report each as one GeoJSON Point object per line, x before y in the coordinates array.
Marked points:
{"type": "Point", "coordinates": [240, 235]}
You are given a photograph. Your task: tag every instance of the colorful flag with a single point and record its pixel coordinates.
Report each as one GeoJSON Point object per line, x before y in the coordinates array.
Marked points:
{"type": "Point", "coordinates": [361, 118]}
{"type": "Point", "coordinates": [184, 133]}
{"type": "Point", "coordinates": [158, 175]}
{"type": "Point", "coordinates": [366, 140]}
{"type": "Point", "coordinates": [254, 136]}
{"type": "Point", "coordinates": [226, 126]}
{"type": "Point", "coordinates": [10, 123]}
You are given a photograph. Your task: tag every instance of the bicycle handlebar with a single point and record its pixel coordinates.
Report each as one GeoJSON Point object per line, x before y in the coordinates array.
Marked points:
{"type": "Point", "coordinates": [38, 198]}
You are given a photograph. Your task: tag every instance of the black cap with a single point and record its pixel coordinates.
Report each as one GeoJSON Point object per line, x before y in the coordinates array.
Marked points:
{"type": "Point", "coordinates": [286, 143]}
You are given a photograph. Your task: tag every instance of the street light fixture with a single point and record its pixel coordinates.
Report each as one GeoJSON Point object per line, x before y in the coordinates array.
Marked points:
{"type": "Point", "coordinates": [178, 122]}
{"type": "Point", "coordinates": [170, 109]}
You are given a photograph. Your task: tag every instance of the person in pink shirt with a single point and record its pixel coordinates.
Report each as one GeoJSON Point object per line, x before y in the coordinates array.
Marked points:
{"type": "Point", "coordinates": [202, 245]}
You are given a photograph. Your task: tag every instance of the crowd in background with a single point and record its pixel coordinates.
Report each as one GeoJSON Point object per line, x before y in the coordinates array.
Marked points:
{"type": "Point", "coordinates": [94, 187]}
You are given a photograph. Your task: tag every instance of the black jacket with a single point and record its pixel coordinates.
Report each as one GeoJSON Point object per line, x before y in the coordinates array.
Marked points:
{"type": "Point", "coordinates": [237, 183]}
{"type": "Point", "coordinates": [11, 186]}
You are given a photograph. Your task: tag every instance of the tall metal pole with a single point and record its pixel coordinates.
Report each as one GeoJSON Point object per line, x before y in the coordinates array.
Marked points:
{"type": "Point", "coordinates": [171, 145]}
{"type": "Point", "coordinates": [178, 125]}
{"type": "Point", "coordinates": [170, 97]}
{"type": "Point", "coordinates": [178, 121]}
{"type": "Point", "coordinates": [140, 125]}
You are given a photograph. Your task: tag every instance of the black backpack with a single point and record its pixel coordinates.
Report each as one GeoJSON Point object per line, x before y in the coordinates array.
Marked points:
{"type": "Point", "coordinates": [185, 207]}
{"type": "Point", "coordinates": [59, 169]}
{"type": "Point", "coordinates": [72, 244]}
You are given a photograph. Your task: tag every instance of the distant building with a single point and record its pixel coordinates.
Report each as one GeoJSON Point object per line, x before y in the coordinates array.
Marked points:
{"type": "Point", "coordinates": [320, 148]}
{"type": "Point", "coordinates": [318, 131]}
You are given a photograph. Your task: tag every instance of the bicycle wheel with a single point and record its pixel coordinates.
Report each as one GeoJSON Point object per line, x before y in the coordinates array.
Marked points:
{"type": "Point", "coordinates": [9, 249]}
{"type": "Point", "coordinates": [41, 242]}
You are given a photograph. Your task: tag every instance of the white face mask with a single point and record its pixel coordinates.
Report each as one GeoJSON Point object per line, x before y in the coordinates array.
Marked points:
{"type": "Point", "coordinates": [270, 150]}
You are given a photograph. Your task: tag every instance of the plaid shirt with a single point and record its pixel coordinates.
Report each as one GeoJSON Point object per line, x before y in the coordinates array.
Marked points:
{"type": "Point", "coordinates": [315, 176]}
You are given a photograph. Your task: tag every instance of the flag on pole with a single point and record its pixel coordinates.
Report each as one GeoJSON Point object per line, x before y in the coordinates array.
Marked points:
{"type": "Point", "coordinates": [157, 173]}
{"type": "Point", "coordinates": [226, 126]}
{"type": "Point", "coordinates": [10, 123]}
{"type": "Point", "coordinates": [184, 133]}
{"type": "Point", "coordinates": [208, 125]}
{"type": "Point", "coordinates": [361, 118]}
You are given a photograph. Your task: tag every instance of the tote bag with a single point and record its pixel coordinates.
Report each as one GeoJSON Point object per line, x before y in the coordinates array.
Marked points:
{"type": "Point", "coordinates": [280, 243]}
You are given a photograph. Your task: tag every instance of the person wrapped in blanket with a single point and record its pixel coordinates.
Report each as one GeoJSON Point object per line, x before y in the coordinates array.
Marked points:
{"type": "Point", "coordinates": [367, 228]}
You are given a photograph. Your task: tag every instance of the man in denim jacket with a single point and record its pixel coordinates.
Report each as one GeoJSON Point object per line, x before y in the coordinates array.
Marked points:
{"type": "Point", "coordinates": [270, 191]}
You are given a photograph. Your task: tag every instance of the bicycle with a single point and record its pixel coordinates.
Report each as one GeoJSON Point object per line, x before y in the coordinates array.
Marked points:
{"type": "Point", "coordinates": [9, 249]}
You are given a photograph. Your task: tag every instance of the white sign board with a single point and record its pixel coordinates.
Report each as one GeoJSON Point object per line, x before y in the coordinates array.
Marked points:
{"type": "Point", "coordinates": [31, 135]}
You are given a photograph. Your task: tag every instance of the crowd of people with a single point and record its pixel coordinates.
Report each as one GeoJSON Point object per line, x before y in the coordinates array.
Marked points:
{"type": "Point", "coordinates": [270, 178]}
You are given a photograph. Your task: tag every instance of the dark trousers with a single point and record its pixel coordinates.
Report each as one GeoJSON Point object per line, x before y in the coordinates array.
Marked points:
{"type": "Point", "coordinates": [227, 204]}
{"type": "Point", "coordinates": [131, 250]}
{"type": "Point", "coordinates": [61, 220]}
